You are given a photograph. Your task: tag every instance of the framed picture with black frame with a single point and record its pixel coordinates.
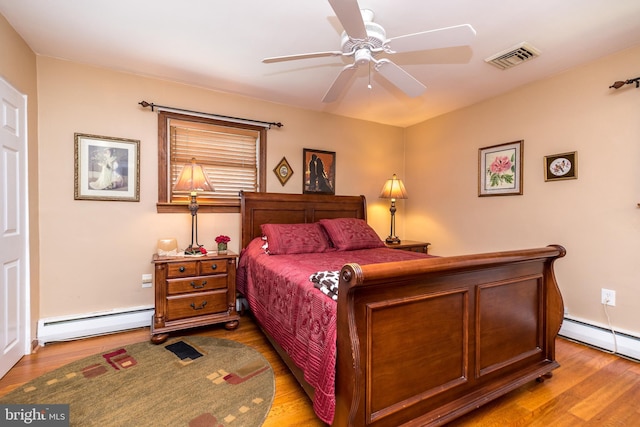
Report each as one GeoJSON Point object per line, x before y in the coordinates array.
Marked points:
{"type": "Point", "coordinates": [558, 167]}
{"type": "Point", "coordinates": [319, 171]}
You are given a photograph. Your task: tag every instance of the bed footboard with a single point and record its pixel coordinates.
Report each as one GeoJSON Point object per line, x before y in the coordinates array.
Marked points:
{"type": "Point", "coordinates": [423, 342]}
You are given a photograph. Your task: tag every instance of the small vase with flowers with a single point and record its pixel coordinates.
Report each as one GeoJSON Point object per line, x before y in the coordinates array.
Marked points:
{"type": "Point", "coordinates": [222, 241]}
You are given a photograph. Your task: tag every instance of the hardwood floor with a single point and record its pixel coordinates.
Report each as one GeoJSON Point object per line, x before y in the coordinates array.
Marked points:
{"type": "Point", "coordinates": [591, 388]}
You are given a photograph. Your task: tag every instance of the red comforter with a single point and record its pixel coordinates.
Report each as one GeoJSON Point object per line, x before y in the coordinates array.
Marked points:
{"type": "Point", "coordinates": [296, 314]}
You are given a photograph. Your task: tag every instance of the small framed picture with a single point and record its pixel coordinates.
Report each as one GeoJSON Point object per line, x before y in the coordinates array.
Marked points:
{"type": "Point", "coordinates": [500, 169]}
{"type": "Point", "coordinates": [561, 166]}
{"type": "Point", "coordinates": [320, 171]}
{"type": "Point", "coordinates": [106, 168]}
{"type": "Point", "coordinates": [283, 171]}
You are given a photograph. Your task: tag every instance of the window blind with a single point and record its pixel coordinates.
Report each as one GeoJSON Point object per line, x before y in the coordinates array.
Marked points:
{"type": "Point", "coordinates": [228, 155]}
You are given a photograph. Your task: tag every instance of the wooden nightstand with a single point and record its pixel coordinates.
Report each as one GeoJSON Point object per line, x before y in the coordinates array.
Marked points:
{"type": "Point", "coordinates": [410, 245]}
{"type": "Point", "coordinates": [193, 291]}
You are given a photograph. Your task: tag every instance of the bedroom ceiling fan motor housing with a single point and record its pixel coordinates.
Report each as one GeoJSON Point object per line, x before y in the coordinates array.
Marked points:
{"type": "Point", "coordinates": [376, 38]}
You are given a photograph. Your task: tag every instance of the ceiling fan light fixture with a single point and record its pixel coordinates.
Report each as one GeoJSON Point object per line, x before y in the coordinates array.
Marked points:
{"type": "Point", "coordinates": [363, 56]}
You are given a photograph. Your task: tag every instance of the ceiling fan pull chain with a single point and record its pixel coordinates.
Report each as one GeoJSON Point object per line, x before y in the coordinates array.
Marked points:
{"type": "Point", "coordinates": [369, 85]}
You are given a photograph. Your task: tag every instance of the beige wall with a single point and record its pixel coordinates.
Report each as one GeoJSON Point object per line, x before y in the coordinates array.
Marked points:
{"type": "Point", "coordinates": [93, 253]}
{"type": "Point", "coordinates": [18, 68]}
{"type": "Point", "coordinates": [596, 217]}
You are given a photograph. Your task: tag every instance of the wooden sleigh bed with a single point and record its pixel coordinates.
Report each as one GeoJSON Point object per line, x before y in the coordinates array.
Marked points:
{"type": "Point", "coordinates": [424, 341]}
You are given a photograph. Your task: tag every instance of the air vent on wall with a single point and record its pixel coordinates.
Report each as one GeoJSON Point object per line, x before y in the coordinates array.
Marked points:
{"type": "Point", "coordinates": [514, 56]}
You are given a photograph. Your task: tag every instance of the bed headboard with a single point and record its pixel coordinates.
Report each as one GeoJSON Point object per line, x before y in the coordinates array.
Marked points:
{"type": "Point", "coordinates": [278, 208]}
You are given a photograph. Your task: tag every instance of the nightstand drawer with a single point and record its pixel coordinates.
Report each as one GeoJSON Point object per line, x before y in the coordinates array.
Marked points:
{"type": "Point", "coordinates": [196, 305]}
{"type": "Point", "coordinates": [196, 284]}
{"type": "Point", "coordinates": [213, 266]}
{"type": "Point", "coordinates": [181, 269]}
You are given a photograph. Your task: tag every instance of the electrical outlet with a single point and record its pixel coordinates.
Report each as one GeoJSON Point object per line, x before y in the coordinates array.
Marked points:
{"type": "Point", "coordinates": [147, 280]}
{"type": "Point", "coordinates": [608, 297]}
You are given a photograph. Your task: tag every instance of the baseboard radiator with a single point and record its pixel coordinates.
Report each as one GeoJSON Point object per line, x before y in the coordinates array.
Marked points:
{"type": "Point", "coordinates": [621, 343]}
{"type": "Point", "coordinates": [67, 328]}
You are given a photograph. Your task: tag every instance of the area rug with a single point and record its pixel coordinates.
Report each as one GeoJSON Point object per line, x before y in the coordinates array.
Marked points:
{"type": "Point", "coordinates": [193, 381]}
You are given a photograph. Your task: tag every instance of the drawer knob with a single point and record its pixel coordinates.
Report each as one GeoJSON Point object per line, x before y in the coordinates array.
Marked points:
{"type": "Point", "coordinates": [193, 305]}
{"type": "Point", "coordinates": [214, 266]}
{"type": "Point", "coordinates": [194, 286]}
{"type": "Point", "coordinates": [182, 269]}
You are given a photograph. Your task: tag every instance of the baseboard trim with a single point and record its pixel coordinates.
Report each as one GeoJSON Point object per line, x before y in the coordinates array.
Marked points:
{"type": "Point", "coordinates": [72, 327]}
{"type": "Point", "coordinates": [623, 344]}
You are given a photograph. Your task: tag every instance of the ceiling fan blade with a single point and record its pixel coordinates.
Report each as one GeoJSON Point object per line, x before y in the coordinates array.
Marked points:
{"type": "Point", "coordinates": [339, 83]}
{"type": "Point", "coordinates": [400, 78]}
{"type": "Point", "coordinates": [348, 12]}
{"type": "Point", "coordinates": [301, 56]}
{"type": "Point", "coordinates": [460, 35]}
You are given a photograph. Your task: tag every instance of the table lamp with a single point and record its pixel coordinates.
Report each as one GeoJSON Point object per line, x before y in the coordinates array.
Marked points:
{"type": "Point", "coordinates": [393, 189]}
{"type": "Point", "coordinates": [193, 179]}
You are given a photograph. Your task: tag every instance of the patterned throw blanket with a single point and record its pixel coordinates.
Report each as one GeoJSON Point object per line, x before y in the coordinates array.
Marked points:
{"type": "Point", "coordinates": [327, 282]}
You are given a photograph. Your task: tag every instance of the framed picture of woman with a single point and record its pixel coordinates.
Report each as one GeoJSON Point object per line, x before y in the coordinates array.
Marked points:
{"type": "Point", "coordinates": [106, 168]}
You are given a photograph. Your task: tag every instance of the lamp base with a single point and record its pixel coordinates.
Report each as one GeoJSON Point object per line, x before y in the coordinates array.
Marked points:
{"type": "Point", "coordinates": [193, 250]}
{"type": "Point", "coordinates": [393, 240]}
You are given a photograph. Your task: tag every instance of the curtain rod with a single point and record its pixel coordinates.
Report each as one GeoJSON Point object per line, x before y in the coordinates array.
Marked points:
{"type": "Point", "coordinates": [218, 116]}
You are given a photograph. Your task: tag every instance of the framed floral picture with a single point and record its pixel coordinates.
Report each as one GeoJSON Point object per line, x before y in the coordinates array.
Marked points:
{"type": "Point", "coordinates": [500, 169]}
{"type": "Point", "coordinates": [319, 171]}
{"type": "Point", "coordinates": [106, 168]}
{"type": "Point", "coordinates": [559, 167]}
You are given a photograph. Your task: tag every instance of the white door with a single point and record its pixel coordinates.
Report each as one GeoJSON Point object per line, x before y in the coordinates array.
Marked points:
{"type": "Point", "coordinates": [14, 232]}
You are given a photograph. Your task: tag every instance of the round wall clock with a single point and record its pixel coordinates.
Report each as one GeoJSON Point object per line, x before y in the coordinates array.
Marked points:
{"type": "Point", "coordinates": [283, 171]}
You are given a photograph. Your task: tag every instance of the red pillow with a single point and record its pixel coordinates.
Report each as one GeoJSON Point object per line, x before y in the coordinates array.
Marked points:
{"type": "Point", "coordinates": [295, 238]}
{"type": "Point", "coordinates": [351, 233]}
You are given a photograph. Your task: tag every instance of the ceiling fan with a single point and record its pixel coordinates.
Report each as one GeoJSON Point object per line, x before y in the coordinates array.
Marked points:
{"type": "Point", "coordinates": [364, 39]}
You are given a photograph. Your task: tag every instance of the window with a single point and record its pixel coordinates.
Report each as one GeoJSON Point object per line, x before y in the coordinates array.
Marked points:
{"type": "Point", "coordinates": [232, 155]}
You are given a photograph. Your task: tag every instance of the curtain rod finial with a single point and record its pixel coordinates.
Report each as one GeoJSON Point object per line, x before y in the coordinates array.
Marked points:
{"type": "Point", "coordinates": [619, 83]}
{"type": "Point", "coordinates": [146, 104]}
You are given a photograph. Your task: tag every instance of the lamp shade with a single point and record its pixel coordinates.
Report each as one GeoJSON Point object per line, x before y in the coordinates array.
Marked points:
{"type": "Point", "coordinates": [193, 178]}
{"type": "Point", "coordinates": [393, 189]}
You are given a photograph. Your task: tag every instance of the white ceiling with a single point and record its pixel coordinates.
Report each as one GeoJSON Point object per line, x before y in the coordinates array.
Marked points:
{"type": "Point", "coordinates": [219, 44]}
